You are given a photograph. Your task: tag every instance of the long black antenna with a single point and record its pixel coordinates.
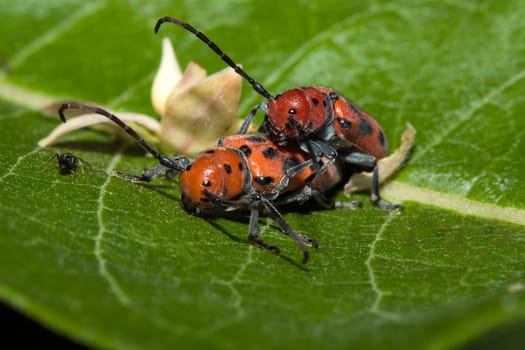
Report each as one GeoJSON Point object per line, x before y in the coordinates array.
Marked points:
{"type": "Point", "coordinates": [176, 163]}
{"type": "Point", "coordinates": [255, 84]}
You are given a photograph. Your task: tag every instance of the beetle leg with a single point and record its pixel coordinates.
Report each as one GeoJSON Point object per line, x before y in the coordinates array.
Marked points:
{"type": "Point", "coordinates": [376, 198]}
{"type": "Point", "coordinates": [246, 124]}
{"type": "Point", "coordinates": [369, 162]}
{"type": "Point", "coordinates": [255, 203]}
{"type": "Point", "coordinates": [253, 234]}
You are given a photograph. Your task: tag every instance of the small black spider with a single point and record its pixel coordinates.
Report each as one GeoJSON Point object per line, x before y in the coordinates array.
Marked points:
{"type": "Point", "coordinates": [69, 163]}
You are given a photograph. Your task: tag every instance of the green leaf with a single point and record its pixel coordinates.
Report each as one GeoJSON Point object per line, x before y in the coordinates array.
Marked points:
{"type": "Point", "coordinates": [118, 265]}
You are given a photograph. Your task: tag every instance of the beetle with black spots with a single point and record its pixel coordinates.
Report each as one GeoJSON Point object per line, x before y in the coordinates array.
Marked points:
{"type": "Point", "coordinates": [244, 172]}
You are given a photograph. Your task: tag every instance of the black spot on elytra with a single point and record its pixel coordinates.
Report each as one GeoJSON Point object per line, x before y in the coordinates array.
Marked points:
{"type": "Point", "coordinates": [188, 168]}
{"type": "Point", "coordinates": [315, 101]}
{"type": "Point", "coordinates": [206, 183]}
{"type": "Point", "coordinates": [211, 151]}
{"type": "Point", "coordinates": [289, 163]}
{"type": "Point", "coordinates": [263, 180]}
{"type": "Point", "coordinates": [354, 108]}
{"type": "Point", "coordinates": [364, 127]}
{"type": "Point", "coordinates": [246, 150]}
{"type": "Point", "coordinates": [256, 139]}
{"type": "Point", "coordinates": [345, 124]}
{"type": "Point", "coordinates": [270, 153]}
{"type": "Point", "coordinates": [240, 166]}
{"type": "Point", "coordinates": [228, 168]}
{"type": "Point", "coordinates": [381, 137]}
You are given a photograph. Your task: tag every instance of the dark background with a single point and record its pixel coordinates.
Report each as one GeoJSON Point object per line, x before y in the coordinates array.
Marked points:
{"type": "Point", "coordinates": [20, 332]}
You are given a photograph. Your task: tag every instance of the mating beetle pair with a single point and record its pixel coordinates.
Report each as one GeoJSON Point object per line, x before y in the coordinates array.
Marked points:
{"type": "Point", "coordinates": [304, 131]}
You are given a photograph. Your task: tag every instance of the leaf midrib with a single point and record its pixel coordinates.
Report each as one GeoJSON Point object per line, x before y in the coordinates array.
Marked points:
{"type": "Point", "coordinates": [394, 190]}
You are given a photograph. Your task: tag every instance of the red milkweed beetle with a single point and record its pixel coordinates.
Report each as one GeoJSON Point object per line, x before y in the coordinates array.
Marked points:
{"type": "Point", "coordinates": [247, 172]}
{"type": "Point", "coordinates": [324, 123]}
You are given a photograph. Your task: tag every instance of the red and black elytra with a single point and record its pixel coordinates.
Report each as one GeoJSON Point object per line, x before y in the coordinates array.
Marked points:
{"type": "Point", "coordinates": [246, 172]}
{"type": "Point", "coordinates": [281, 170]}
{"type": "Point", "coordinates": [314, 110]}
{"type": "Point", "coordinates": [321, 121]}
{"type": "Point", "coordinates": [243, 164]}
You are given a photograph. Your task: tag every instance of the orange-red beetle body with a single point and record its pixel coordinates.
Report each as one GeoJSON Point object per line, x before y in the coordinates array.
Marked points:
{"type": "Point", "coordinates": [321, 113]}
{"type": "Point", "coordinates": [270, 164]}
{"type": "Point", "coordinates": [244, 164]}
{"type": "Point", "coordinates": [222, 172]}
{"type": "Point", "coordinates": [244, 172]}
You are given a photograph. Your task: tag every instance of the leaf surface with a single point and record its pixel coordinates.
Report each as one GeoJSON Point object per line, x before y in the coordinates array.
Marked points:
{"type": "Point", "coordinates": [118, 265]}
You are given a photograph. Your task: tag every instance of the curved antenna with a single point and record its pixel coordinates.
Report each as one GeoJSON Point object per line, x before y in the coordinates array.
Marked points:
{"type": "Point", "coordinates": [255, 84]}
{"type": "Point", "coordinates": [176, 163]}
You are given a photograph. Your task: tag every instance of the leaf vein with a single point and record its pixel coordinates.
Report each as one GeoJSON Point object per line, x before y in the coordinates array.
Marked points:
{"type": "Point", "coordinates": [54, 32]}
{"type": "Point", "coordinates": [11, 170]}
{"type": "Point", "coordinates": [375, 307]}
{"type": "Point", "coordinates": [398, 191]}
{"type": "Point", "coordinates": [99, 250]}
{"type": "Point", "coordinates": [467, 115]}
